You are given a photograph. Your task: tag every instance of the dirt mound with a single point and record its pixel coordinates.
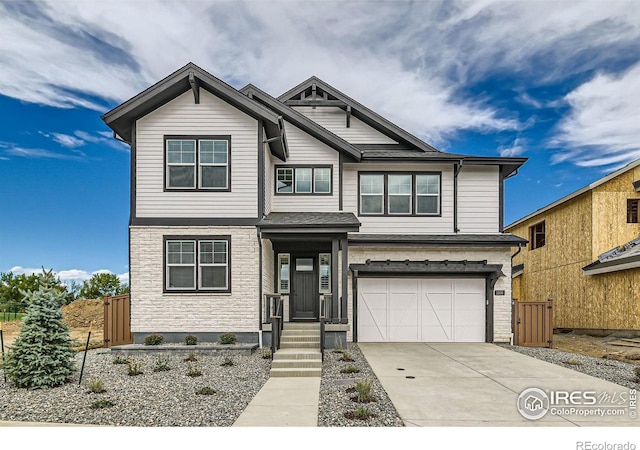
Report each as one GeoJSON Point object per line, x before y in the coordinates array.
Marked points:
{"type": "Point", "coordinates": [82, 312]}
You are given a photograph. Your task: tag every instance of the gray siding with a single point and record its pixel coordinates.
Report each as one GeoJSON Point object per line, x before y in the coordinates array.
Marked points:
{"type": "Point", "coordinates": [399, 225]}
{"type": "Point", "coordinates": [478, 199]}
{"type": "Point", "coordinates": [182, 116]}
{"type": "Point", "coordinates": [306, 150]}
{"type": "Point", "coordinates": [334, 119]}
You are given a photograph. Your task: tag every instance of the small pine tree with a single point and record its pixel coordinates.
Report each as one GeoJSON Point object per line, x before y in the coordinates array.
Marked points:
{"type": "Point", "coordinates": [41, 356]}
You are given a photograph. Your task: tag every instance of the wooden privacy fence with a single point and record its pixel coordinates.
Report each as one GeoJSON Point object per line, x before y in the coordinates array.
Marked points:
{"type": "Point", "coordinates": [533, 323]}
{"type": "Point", "coordinates": [117, 321]}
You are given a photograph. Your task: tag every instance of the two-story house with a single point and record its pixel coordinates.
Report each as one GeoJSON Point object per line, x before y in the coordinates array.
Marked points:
{"type": "Point", "coordinates": [584, 253]}
{"type": "Point", "coordinates": [236, 194]}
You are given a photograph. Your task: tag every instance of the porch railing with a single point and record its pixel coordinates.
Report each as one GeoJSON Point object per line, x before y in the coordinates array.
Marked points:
{"type": "Point", "coordinates": [333, 308]}
{"type": "Point", "coordinates": [272, 309]}
{"type": "Point", "coordinates": [325, 301]}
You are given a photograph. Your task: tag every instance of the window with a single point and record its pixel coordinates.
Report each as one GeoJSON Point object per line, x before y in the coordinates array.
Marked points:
{"type": "Point", "coordinates": [537, 236]}
{"type": "Point", "coordinates": [632, 210]}
{"type": "Point", "coordinates": [325, 273]}
{"type": "Point", "coordinates": [198, 164]}
{"type": "Point", "coordinates": [197, 264]}
{"type": "Point", "coordinates": [402, 194]}
{"type": "Point", "coordinates": [308, 180]}
{"type": "Point", "coordinates": [304, 264]}
{"type": "Point", "coordinates": [283, 273]}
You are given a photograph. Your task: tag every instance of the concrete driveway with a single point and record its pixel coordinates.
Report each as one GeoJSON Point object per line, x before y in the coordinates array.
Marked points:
{"type": "Point", "coordinates": [479, 385]}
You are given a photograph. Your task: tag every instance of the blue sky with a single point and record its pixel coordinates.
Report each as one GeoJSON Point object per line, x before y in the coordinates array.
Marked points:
{"type": "Point", "coordinates": [556, 82]}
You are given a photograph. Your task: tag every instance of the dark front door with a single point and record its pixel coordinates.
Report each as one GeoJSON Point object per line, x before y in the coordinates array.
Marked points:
{"type": "Point", "coordinates": [304, 298]}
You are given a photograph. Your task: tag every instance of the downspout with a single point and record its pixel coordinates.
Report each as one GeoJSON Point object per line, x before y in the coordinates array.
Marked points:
{"type": "Point", "coordinates": [513, 256]}
{"type": "Point", "coordinates": [456, 171]}
{"type": "Point", "coordinates": [259, 234]}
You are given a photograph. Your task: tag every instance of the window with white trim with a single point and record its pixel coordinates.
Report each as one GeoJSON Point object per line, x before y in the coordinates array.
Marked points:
{"type": "Point", "coordinates": [284, 268]}
{"type": "Point", "coordinates": [325, 273]}
{"type": "Point", "coordinates": [401, 194]}
{"type": "Point", "coordinates": [198, 163]}
{"type": "Point", "coordinates": [372, 194]}
{"type": "Point", "coordinates": [197, 264]}
{"type": "Point", "coordinates": [303, 180]}
{"type": "Point", "coordinates": [427, 194]}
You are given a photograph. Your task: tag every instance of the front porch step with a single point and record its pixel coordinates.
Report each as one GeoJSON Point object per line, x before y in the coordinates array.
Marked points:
{"type": "Point", "coordinates": [302, 332]}
{"type": "Point", "coordinates": [301, 326]}
{"type": "Point", "coordinates": [292, 353]}
{"type": "Point", "coordinates": [300, 372]}
{"type": "Point", "coordinates": [301, 338]}
{"type": "Point", "coordinates": [302, 345]}
{"type": "Point", "coordinates": [296, 364]}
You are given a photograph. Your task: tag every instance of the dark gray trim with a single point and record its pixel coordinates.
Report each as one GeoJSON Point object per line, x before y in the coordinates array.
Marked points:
{"type": "Point", "coordinates": [323, 102]}
{"type": "Point", "coordinates": [345, 292]}
{"type": "Point", "coordinates": [413, 194]}
{"type": "Point", "coordinates": [195, 87]}
{"type": "Point", "coordinates": [501, 200]}
{"type": "Point", "coordinates": [456, 170]}
{"type": "Point", "coordinates": [260, 287]}
{"type": "Point", "coordinates": [197, 138]}
{"type": "Point", "coordinates": [133, 186]}
{"type": "Point", "coordinates": [340, 180]}
{"type": "Point", "coordinates": [354, 301]}
{"type": "Point", "coordinates": [121, 118]}
{"type": "Point", "coordinates": [304, 238]}
{"type": "Point", "coordinates": [334, 279]}
{"type": "Point", "coordinates": [196, 238]}
{"type": "Point", "coordinates": [261, 175]}
{"type": "Point", "coordinates": [195, 221]}
{"type": "Point", "coordinates": [303, 122]}
{"type": "Point", "coordinates": [466, 240]}
{"type": "Point", "coordinates": [313, 168]}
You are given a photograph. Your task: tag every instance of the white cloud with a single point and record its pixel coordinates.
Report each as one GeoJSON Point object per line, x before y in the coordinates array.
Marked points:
{"type": "Point", "coordinates": [67, 276]}
{"type": "Point", "coordinates": [67, 141]}
{"type": "Point", "coordinates": [602, 125]}
{"type": "Point", "coordinates": [40, 153]}
{"type": "Point", "coordinates": [516, 149]}
{"type": "Point", "coordinates": [124, 278]}
{"type": "Point", "coordinates": [19, 270]}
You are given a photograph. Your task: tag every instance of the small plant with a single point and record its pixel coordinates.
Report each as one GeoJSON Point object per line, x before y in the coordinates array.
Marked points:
{"type": "Point", "coordinates": [206, 391]}
{"type": "Point", "coordinates": [350, 369]}
{"type": "Point", "coordinates": [190, 340]}
{"type": "Point", "coordinates": [162, 365]}
{"type": "Point", "coordinates": [228, 362]}
{"type": "Point", "coordinates": [360, 414]}
{"type": "Point", "coordinates": [120, 360]}
{"type": "Point", "coordinates": [100, 404]}
{"type": "Point", "coordinates": [227, 338]}
{"type": "Point", "coordinates": [574, 361]}
{"type": "Point", "coordinates": [266, 354]}
{"type": "Point", "coordinates": [192, 357]}
{"type": "Point", "coordinates": [154, 339]}
{"type": "Point", "coordinates": [96, 386]}
{"type": "Point", "coordinates": [193, 370]}
{"type": "Point", "coordinates": [346, 357]}
{"type": "Point", "coordinates": [133, 368]}
{"type": "Point", "coordinates": [363, 388]}
{"type": "Point", "coordinates": [339, 348]}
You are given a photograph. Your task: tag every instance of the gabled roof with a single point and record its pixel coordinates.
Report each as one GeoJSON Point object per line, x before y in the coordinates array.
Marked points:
{"type": "Point", "coordinates": [358, 110]}
{"type": "Point", "coordinates": [301, 121]}
{"type": "Point", "coordinates": [409, 147]}
{"type": "Point", "coordinates": [566, 198]}
{"type": "Point", "coordinates": [619, 258]}
{"type": "Point", "coordinates": [191, 77]}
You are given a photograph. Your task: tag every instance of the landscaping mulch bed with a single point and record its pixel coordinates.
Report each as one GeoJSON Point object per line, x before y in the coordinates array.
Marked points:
{"type": "Point", "coordinates": [337, 391]}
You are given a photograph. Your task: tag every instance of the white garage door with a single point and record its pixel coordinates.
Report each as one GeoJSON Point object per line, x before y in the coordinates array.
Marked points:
{"type": "Point", "coordinates": [421, 310]}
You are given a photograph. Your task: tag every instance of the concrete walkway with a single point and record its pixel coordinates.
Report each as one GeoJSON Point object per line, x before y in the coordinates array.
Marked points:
{"type": "Point", "coordinates": [283, 402]}
{"type": "Point", "coordinates": [477, 385]}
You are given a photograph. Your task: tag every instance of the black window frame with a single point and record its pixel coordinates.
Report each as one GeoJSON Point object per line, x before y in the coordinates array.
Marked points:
{"type": "Point", "coordinates": [294, 167]}
{"type": "Point", "coordinates": [197, 239]}
{"type": "Point", "coordinates": [633, 207]}
{"type": "Point", "coordinates": [534, 235]}
{"type": "Point", "coordinates": [197, 139]}
{"type": "Point", "coordinates": [385, 198]}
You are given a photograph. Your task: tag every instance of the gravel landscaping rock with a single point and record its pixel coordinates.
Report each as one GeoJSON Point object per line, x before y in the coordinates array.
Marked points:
{"type": "Point", "coordinates": [618, 372]}
{"type": "Point", "coordinates": [151, 399]}
{"type": "Point", "coordinates": [335, 400]}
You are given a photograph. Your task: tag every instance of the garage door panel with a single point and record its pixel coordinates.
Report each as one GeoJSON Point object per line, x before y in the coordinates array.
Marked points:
{"type": "Point", "coordinates": [427, 310]}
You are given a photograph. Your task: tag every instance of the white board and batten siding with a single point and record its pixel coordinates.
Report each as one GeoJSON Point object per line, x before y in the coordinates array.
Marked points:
{"type": "Point", "coordinates": [334, 119]}
{"type": "Point", "coordinates": [442, 224]}
{"type": "Point", "coordinates": [305, 150]}
{"type": "Point", "coordinates": [479, 199]}
{"type": "Point", "coordinates": [182, 116]}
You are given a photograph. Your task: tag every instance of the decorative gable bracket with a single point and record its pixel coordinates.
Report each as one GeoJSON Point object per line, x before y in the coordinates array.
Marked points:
{"type": "Point", "coordinates": [195, 87]}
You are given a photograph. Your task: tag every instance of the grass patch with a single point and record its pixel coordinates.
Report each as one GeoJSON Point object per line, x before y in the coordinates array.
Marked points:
{"type": "Point", "coordinates": [96, 386]}
{"type": "Point", "coordinates": [350, 369]}
{"type": "Point", "coordinates": [101, 404]}
{"type": "Point", "coordinates": [206, 391]}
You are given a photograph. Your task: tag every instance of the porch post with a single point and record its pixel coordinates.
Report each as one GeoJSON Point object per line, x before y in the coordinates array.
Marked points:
{"type": "Point", "coordinates": [344, 294]}
{"type": "Point", "coordinates": [334, 281]}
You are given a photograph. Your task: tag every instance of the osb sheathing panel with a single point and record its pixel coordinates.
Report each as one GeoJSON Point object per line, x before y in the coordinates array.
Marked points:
{"type": "Point", "coordinates": [608, 301]}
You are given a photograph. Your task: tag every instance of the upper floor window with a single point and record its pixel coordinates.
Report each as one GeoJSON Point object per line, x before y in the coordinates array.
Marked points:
{"type": "Point", "coordinates": [304, 180]}
{"type": "Point", "coordinates": [197, 264]}
{"type": "Point", "coordinates": [537, 235]}
{"type": "Point", "coordinates": [198, 163]}
{"type": "Point", "coordinates": [403, 194]}
{"type": "Point", "coordinates": [632, 210]}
